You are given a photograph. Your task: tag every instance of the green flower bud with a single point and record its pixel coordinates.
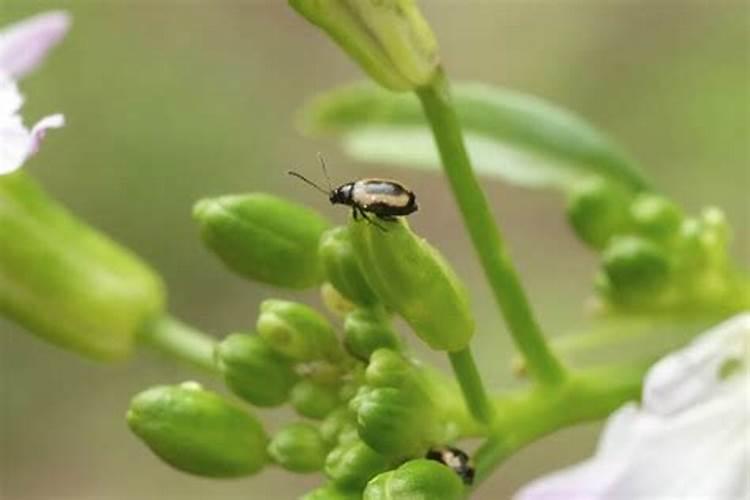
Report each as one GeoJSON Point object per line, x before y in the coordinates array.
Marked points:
{"type": "Point", "coordinates": [413, 279]}
{"type": "Point", "coordinates": [395, 422]}
{"type": "Point", "coordinates": [337, 423]}
{"type": "Point", "coordinates": [352, 464]}
{"type": "Point", "coordinates": [597, 210]}
{"type": "Point", "coordinates": [198, 431]}
{"type": "Point", "coordinates": [67, 283]}
{"type": "Point", "coordinates": [388, 368]}
{"type": "Point", "coordinates": [264, 238]}
{"type": "Point", "coordinates": [298, 448]}
{"type": "Point", "coordinates": [333, 492]}
{"type": "Point", "coordinates": [419, 478]}
{"type": "Point", "coordinates": [655, 217]}
{"type": "Point", "coordinates": [342, 268]}
{"type": "Point", "coordinates": [296, 330]}
{"type": "Point", "coordinates": [334, 301]}
{"type": "Point", "coordinates": [635, 269]}
{"type": "Point", "coordinates": [313, 399]}
{"type": "Point", "coordinates": [389, 39]}
{"type": "Point", "coordinates": [365, 331]}
{"type": "Point", "coordinates": [254, 371]}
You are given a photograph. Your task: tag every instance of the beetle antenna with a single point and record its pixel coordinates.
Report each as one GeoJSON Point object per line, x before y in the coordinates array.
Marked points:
{"type": "Point", "coordinates": [325, 170]}
{"type": "Point", "coordinates": [308, 181]}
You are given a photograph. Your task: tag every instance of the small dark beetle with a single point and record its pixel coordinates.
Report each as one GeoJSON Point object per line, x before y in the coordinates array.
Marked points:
{"type": "Point", "coordinates": [383, 198]}
{"type": "Point", "coordinates": [456, 459]}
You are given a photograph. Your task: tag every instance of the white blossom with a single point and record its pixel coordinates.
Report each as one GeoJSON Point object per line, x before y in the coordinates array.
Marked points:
{"type": "Point", "coordinates": [23, 46]}
{"type": "Point", "coordinates": [688, 439]}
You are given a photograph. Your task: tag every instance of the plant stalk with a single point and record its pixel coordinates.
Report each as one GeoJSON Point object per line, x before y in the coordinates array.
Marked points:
{"type": "Point", "coordinates": [180, 341]}
{"type": "Point", "coordinates": [485, 235]}
{"type": "Point", "coordinates": [472, 388]}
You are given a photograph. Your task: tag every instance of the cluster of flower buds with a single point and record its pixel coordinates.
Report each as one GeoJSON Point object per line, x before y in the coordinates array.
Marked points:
{"type": "Point", "coordinates": [653, 256]}
{"type": "Point", "coordinates": [368, 414]}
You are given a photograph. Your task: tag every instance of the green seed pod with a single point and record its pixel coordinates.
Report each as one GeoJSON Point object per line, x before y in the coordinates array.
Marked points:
{"type": "Point", "coordinates": [296, 330]}
{"type": "Point", "coordinates": [352, 464]}
{"type": "Point", "coordinates": [333, 492]}
{"type": "Point", "coordinates": [598, 210]}
{"type": "Point", "coordinates": [313, 399]}
{"type": "Point", "coordinates": [635, 269]}
{"type": "Point", "coordinates": [655, 217]}
{"type": "Point", "coordinates": [298, 447]}
{"type": "Point", "coordinates": [342, 268]}
{"type": "Point", "coordinates": [198, 431]}
{"type": "Point", "coordinates": [413, 279]}
{"type": "Point", "coordinates": [254, 371]}
{"type": "Point", "coordinates": [264, 238]}
{"type": "Point", "coordinates": [390, 40]}
{"type": "Point", "coordinates": [67, 283]}
{"type": "Point", "coordinates": [388, 368]}
{"type": "Point", "coordinates": [395, 422]}
{"type": "Point", "coordinates": [337, 423]}
{"type": "Point", "coordinates": [419, 478]}
{"type": "Point", "coordinates": [365, 331]}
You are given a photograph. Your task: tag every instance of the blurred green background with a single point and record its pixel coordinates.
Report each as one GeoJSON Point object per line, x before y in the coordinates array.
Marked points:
{"type": "Point", "coordinates": [168, 101]}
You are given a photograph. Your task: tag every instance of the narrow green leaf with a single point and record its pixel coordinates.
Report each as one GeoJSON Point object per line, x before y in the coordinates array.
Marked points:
{"type": "Point", "coordinates": [512, 136]}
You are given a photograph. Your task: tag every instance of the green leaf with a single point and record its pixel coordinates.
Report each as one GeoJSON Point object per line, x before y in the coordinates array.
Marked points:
{"type": "Point", "coordinates": [516, 137]}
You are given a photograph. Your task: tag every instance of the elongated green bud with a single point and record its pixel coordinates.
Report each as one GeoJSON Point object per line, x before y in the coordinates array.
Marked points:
{"type": "Point", "coordinates": [254, 371]}
{"type": "Point", "coordinates": [264, 238]}
{"type": "Point", "coordinates": [598, 210]}
{"type": "Point", "coordinates": [395, 422]}
{"type": "Point", "coordinates": [655, 217]}
{"type": "Point", "coordinates": [352, 464]}
{"type": "Point", "coordinates": [67, 283]}
{"type": "Point", "coordinates": [413, 279]}
{"type": "Point", "coordinates": [389, 39]}
{"type": "Point", "coordinates": [342, 267]}
{"type": "Point", "coordinates": [298, 447]}
{"type": "Point", "coordinates": [419, 478]}
{"type": "Point", "coordinates": [296, 330]}
{"type": "Point", "coordinates": [367, 330]}
{"type": "Point", "coordinates": [315, 400]}
{"type": "Point", "coordinates": [635, 269]}
{"type": "Point", "coordinates": [198, 431]}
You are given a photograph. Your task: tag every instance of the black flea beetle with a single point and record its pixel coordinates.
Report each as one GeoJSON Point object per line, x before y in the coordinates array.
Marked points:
{"type": "Point", "coordinates": [383, 198]}
{"type": "Point", "coordinates": [456, 459]}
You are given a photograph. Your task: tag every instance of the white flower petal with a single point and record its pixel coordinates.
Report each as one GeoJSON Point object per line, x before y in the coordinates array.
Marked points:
{"type": "Point", "coordinates": [14, 144]}
{"type": "Point", "coordinates": [689, 439]}
{"type": "Point", "coordinates": [684, 377]}
{"type": "Point", "coordinates": [23, 45]}
{"type": "Point", "coordinates": [40, 129]}
{"type": "Point", "coordinates": [10, 98]}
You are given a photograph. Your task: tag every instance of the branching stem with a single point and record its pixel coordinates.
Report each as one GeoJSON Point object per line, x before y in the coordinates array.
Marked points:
{"type": "Point", "coordinates": [485, 235]}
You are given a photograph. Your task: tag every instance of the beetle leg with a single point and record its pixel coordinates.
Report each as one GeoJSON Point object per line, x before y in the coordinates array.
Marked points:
{"type": "Point", "coordinates": [370, 220]}
{"type": "Point", "coordinates": [355, 213]}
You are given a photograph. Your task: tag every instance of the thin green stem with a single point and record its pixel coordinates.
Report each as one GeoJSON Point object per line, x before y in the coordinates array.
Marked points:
{"type": "Point", "coordinates": [180, 341]}
{"type": "Point", "coordinates": [524, 417]}
{"type": "Point", "coordinates": [473, 391]}
{"type": "Point", "coordinates": [485, 234]}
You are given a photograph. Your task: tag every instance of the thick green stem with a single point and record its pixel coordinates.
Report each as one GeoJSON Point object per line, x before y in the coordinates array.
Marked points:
{"type": "Point", "coordinates": [527, 416]}
{"type": "Point", "coordinates": [474, 393]}
{"type": "Point", "coordinates": [485, 234]}
{"type": "Point", "coordinates": [180, 341]}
